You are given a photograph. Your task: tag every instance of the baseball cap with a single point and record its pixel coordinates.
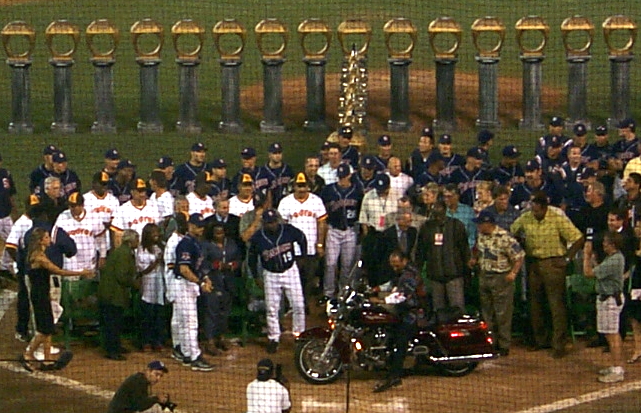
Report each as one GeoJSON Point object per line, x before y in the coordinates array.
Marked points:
{"type": "Point", "coordinates": [382, 182]}
{"type": "Point", "coordinates": [554, 142]}
{"type": "Point", "coordinates": [300, 178]}
{"type": "Point", "coordinates": [197, 219]}
{"type": "Point", "coordinates": [275, 148]}
{"type": "Point", "coordinates": [484, 136]}
{"type": "Point", "coordinates": [532, 165]}
{"type": "Point", "coordinates": [627, 123]}
{"type": "Point", "coordinates": [384, 140]}
{"type": "Point", "coordinates": [556, 121]}
{"type": "Point", "coordinates": [76, 198]}
{"type": "Point", "coordinates": [579, 129]}
{"type": "Point", "coordinates": [112, 154]}
{"type": "Point", "coordinates": [588, 173]}
{"type": "Point", "coordinates": [368, 162]}
{"type": "Point", "coordinates": [157, 365]}
{"type": "Point", "coordinates": [343, 171]}
{"type": "Point", "coordinates": [325, 146]}
{"type": "Point", "coordinates": [125, 163]}
{"type": "Point", "coordinates": [427, 131]}
{"type": "Point", "coordinates": [346, 132]}
{"type": "Point", "coordinates": [219, 163]}
{"type": "Point", "coordinates": [445, 139]}
{"type": "Point", "coordinates": [511, 151]}
{"type": "Point", "coordinates": [475, 152]}
{"type": "Point", "coordinates": [434, 156]}
{"type": "Point", "coordinates": [270, 215]}
{"type": "Point", "coordinates": [138, 184]}
{"type": "Point", "coordinates": [246, 179]}
{"type": "Point", "coordinates": [102, 177]}
{"type": "Point", "coordinates": [601, 130]}
{"type": "Point", "coordinates": [59, 157]}
{"type": "Point", "coordinates": [485, 216]}
{"type": "Point", "coordinates": [265, 369]}
{"type": "Point", "coordinates": [165, 162]}
{"type": "Point", "coordinates": [33, 200]}
{"type": "Point", "coordinates": [248, 153]}
{"type": "Point", "coordinates": [49, 150]}
{"type": "Point", "coordinates": [198, 147]}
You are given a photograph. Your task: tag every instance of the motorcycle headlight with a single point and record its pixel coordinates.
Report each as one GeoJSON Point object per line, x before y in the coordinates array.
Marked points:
{"type": "Point", "coordinates": [331, 307]}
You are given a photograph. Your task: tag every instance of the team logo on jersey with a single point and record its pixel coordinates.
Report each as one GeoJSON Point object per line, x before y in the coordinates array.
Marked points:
{"type": "Point", "coordinates": [185, 256]}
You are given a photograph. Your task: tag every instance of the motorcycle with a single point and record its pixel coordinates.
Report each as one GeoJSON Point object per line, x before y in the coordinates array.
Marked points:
{"type": "Point", "coordinates": [357, 334]}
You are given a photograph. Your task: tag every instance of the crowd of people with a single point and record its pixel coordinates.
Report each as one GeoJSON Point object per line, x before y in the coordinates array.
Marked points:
{"type": "Point", "coordinates": [185, 234]}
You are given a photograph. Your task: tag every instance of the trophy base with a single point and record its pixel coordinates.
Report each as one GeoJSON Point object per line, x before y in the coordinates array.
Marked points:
{"type": "Point", "coordinates": [63, 127]}
{"type": "Point", "coordinates": [20, 128]}
{"type": "Point", "coordinates": [101, 128]}
{"type": "Point", "coordinates": [191, 129]}
{"type": "Point", "coordinates": [266, 127]}
{"type": "Point", "coordinates": [487, 124]}
{"type": "Point", "coordinates": [444, 125]}
{"type": "Point", "coordinates": [230, 127]}
{"type": "Point", "coordinates": [398, 126]}
{"type": "Point", "coordinates": [144, 127]}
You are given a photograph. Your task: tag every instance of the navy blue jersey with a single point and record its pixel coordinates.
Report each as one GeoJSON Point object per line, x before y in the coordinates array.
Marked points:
{"type": "Point", "coordinates": [7, 191]}
{"type": "Point", "coordinates": [220, 189]}
{"type": "Point", "coordinates": [626, 150]}
{"type": "Point", "coordinates": [574, 189]}
{"type": "Point", "coordinates": [452, 163]}
{"type": "Point", "coordinates": [381, 163]}
{"type": "Point", "coordinates": [235, 181]}
{"type": "Point", "coordinates": [508, 175]}
{"type": "Point", "coordinates": [122, 192]}
{"type": "Point", "coordinates": [278, 249]}
{"type": "Point", "coordinates": [186, 175]}
{"type": "Point", "coordinates": [189, 252]}
{"type": "Point", "coordinates": [174, 185]}
{"type": "Point", "coordinates": [425, 178]}
{"type": "Point", "coordinates": [603, 152]}
{"type": "Point", "coordinates": [69, 183]}
{"type": "Point", "coordinates": [364, 185]}
{"type": "Point", "coordinates": [350, 154]}
{"type": "Point", "coordinates": [522, 193]}
{"type": "Point", "coordinates": [37, 177]}
{"type": "Point", "coordinates": [485, 154]}
{"type": "Point", "coordinates": [417, 163]}
{"type": "Point", "coordinates": [342, 205]}
{"type": "Point", "coordinates": [62, 245]}
{"type": "Point", "coordinates": [551, 166]}
{"type": "Point", "coordinates": [588, 153]}
{"type": "Point", "coordinates": [275, 180]}
{"type": "Point", "coordinates": [543, 142]}
{"type": "Point", "coordinates": [467, 182]}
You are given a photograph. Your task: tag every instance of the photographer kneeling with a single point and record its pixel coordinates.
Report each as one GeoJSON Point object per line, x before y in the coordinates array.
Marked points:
{"type": "Point", "coordinates": [133, 394]}
{"type": "Point", "coordinates": [269, 393]}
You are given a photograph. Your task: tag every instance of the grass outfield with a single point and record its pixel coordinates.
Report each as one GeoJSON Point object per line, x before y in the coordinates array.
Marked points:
{"type": "Point", "coordinates": [85, 149]}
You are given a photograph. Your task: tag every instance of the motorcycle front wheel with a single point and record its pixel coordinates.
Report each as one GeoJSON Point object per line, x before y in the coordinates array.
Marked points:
{"type": "Point", "coordinates": [312, 367]}
{"type": "Point", "coordinates": [457, 369]}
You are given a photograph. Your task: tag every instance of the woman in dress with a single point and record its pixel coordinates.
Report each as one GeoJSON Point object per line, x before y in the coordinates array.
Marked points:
{"type": "Point", "coordinates": [39, 269]}
{"type": "Point", "coordinates": [149, 261]}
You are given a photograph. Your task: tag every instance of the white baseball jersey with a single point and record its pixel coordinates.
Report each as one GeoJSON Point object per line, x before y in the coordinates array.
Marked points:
{"type": "Point", "coordinates": [164, 203]}
{"type": "Point", "coordinates": [152, 288]}
{"type": "Point", "coordinates": [169, 257]}
{"type": "Point", "coordinates": [238, 207]}
{"type": "Point", "coordinates": [400, 184]}
{"type": "Point", "coordinates": [105, 205]}
{"type": "Point", "coordinates": [89, 234]}
{"type": "Point", "coordinates": [304, 215]}
{"type": "Point", "coordinates": [267, 397]}
{"type": "Point", "coordinates": [198, 205]}
{"type": "Point", "coordinates": [15, 239]}
{"type": "Point", "coordinates": [128, 216]}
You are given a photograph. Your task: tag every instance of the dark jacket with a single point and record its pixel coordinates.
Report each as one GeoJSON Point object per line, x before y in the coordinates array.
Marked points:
{"type": "Point", "coordinates": [448, 260]}
{"type": "Point", "coordinates": [132, 396]}
{"type": "Point", "coordinates": [392, 242]}
{"type": "Point", "coordinates": [118, 277]}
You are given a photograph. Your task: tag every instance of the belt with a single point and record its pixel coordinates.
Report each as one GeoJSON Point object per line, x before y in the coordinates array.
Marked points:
{"type": "Point", "coordinates": [617, 297]}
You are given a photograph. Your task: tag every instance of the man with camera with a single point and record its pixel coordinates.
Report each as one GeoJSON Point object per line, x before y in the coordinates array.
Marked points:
{"type": "Point", "coordinates": [133, 395]}
{"type": "Point", "coordinates": [269, 393]}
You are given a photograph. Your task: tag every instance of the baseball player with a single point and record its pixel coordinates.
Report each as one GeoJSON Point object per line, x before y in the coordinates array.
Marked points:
{"type": "Point", "coordinates": [276, 244]}
{"type": "Point", "coordinates": [135, 213]}
{"type": "Point", "coordinates": [199, 201]}
{"type": "Point", "coordinates": [100, 201]}
{"type": "Point", "coordinates": [188, 283]}
{"type": "Point", "coordinates": [349, 153]}
{"type": "Point", "coordinates": [248, 167]}
{"type": "Point", "coordinates": [161, 196]}
{"type": "Point", "coordinates": [186, 173]}
{"type": "Point", "coordinates": [69, 180]}
{"type": "Point", "coordinates": [342, 201]}
{"type": "Point", "coordinates": [119, 184]}
{"type": "Point", "coordinates": [244, 201]}
{"type": "Point", "coordinates": [275, 175]}
{"type": "Point", "coordinates": [306, 212]}
{"type": "Point", "coordinates": [169, 258]}
{"type": "Point", "coordinates": [112, 159]}
{"type": "Point", "coordinates": [166, 165]}
{"type": "Point", "coordinates": [221, 185]}
{"type": "Point", "coordinates": [42, 171]}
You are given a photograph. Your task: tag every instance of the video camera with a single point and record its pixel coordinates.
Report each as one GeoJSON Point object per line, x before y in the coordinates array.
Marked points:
{"type": "Point", "coordinates": [168, 405]}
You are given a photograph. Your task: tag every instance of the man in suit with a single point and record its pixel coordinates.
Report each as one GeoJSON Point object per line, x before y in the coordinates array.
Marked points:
{"type": "Point", "coordinates": [400, 236]}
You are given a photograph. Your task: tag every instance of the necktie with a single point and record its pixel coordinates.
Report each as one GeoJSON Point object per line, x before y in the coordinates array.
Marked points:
{"type": "Point", "coordinates": [402, 241]}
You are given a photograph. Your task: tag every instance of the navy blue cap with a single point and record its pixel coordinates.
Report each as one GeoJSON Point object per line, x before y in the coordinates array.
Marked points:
{"type": "Point", "coordinates": [198, 147]}
{"type": "Point", "coordinates": [275, 148]}
{"type": "Point", "coordinates": [532, 165]}
{"type": "Point", "coordinates": [219, 163]}
{"type": "Point", "coordinates": [475, 152]}
{"type": "Point", "coordinates": [343, 170]}
{"type": "Point", "coordinates": [434, 156]}
{"type": "Point", "coordinates": [197, 219]}
{"type": "Point", "coordinates": [427, 131]}
{"type": "Point", "coordinates": [556, 121]}
{"type": "Point", "coordinates": [627, 123]}
{"type": "Point", "coordinates": [248, 153]}
{"type": "Point", "coordinates": [112, 154]}
{"type": "Point", "coordinates": [59, 157]}
{"type": "Point", "coordinates": [369, 162]}
{"type": "Point", "coordinates": [384, 140]}
{"type": "Point", "coordinates": [265, 369]}
{"type": "Point", "coordinates": [554, 142]}
{"type": "Point", "coordinates": [157, 365]}
{"type": "Point", "coordinates": [601, 130]}
{"type": "Point", "coordinates": [445, 139]}
{"type": "Point", "coordinates": [49, 150]}
{"type": "Point", "coordinates": [270, 215]}
{"type": "Point", "coordinates": [580, 130]}
{"type": "Point", "coordinates": [511, 151]}
{"type": "Point", "coordinates": [325, 146]}
{"type": "Point", "coordinates": [165, 162]}
{"type": "Point", "coordinates": [125, 163]}
{"type": "Point", "coordinates": [346, 132]}
{"type": "Point", "coordinates": [485, 216]}
{"type": "Point", "coordinates": [382, 182]}
{"type": "Point", "coordinates": [484, 136]}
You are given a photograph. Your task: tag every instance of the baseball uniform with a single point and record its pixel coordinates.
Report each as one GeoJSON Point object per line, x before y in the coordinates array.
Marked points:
{"type": "Point", "coordinates": [171, 289]}
{"type": "Point", "coordinates": [89, 234]}
{"type": "Point", "coordinates": [238, 207]}
{"type": "Point", "coordinates": [128, 216]}
{"type": "Point", "coordinates": [198, 205]}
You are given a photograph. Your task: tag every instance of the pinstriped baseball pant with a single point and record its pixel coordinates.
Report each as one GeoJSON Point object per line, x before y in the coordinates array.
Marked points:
{"type": "Point", "coordinates": [341, 244]}
{"type": "Point", "coordinates": [186, 314]}
{"type": "Point", "coordinates": [275, 285]}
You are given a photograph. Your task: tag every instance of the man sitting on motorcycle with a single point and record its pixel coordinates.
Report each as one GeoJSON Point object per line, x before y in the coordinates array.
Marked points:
{"type": "Point", "coordinates": [407, 295]}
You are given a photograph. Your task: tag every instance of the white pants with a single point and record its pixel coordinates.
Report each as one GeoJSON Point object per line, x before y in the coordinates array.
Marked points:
{"type": "Point", "coordinates": [339, 244]}
{"type": "Point", "coordinates": [185, 318]}
{"type": "Point", "coordinates": [6, 263]}
{"type": "Point", "coordinates": [275, 284]}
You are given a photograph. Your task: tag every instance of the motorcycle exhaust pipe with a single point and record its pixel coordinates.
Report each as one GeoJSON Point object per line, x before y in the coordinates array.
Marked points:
{"type": "Point", "coordinates": [472, 357]}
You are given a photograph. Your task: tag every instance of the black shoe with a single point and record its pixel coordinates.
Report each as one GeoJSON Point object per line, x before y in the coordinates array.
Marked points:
{"type": "Point", "coordinates": [387, 384]}
{"type": "Point", "coordinates": [272, 347]}
{"type": "Point", "coordinates": [176, 354]}
{"type": "Point", "coordinates": [597, 342]}
{"type": "Point", "coordinates": [24, 338]}
{"type": "Point", "coordinates": [116, 357]}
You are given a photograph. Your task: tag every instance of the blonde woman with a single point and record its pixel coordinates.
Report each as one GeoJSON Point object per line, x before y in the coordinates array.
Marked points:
{"type": "Point", "coordinates": [39, 270]}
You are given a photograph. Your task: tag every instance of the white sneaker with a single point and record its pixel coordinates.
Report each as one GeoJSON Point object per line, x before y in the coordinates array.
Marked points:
{"type": "Point", "coordinates": [40, 354]}
{"type": "Point", "coordinates": [605, 371]}
{"type": "Point", "coordinates": [611, 377]}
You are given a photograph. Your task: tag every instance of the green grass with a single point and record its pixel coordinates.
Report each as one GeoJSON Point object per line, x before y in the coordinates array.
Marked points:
{"type": "Point", "coordinates": [22, 153]}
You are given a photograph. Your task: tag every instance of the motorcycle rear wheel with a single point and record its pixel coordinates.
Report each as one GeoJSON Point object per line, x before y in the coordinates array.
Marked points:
{"type": "Point", "coordinates": [457, 369]}
{"type": "Point", "coordinates": [312, 368]}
